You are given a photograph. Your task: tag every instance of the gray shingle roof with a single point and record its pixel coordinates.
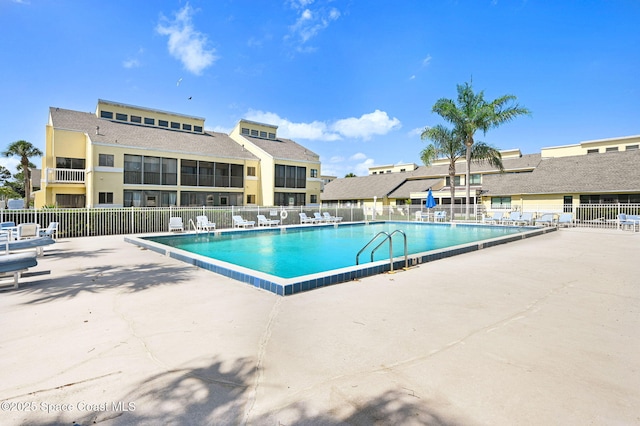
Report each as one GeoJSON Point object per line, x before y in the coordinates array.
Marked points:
{"type": "Point", "coordinates": [606, 172]}
{"type": "Point", "coordinates": [362, 187]}
{"type": "Point", "coordinates": [284, 149]}
{"type": "Point", "coordinates": [143, 137]}
{"type": "Point", "coordinates": [417, 185]}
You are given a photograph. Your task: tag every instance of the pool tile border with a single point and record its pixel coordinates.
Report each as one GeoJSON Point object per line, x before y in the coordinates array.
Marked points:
{"type": "Point", "coordinates": [291, 286]}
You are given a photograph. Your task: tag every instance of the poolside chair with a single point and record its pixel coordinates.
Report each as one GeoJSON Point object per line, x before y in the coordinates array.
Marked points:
{"type": "Point", "coordinates": [27, 230]}
{"type": "Point", "coordinates": [318, 217]}
{"type": "Point", "coordinates": [329, 218]}
{"type": "Point", "coordinates": [545, 220]}
{"type": "Point", "coordinates": [306, 219]}
{"type": "Point", "coordinates": [440, 216]}
{"type": "Point", "coordinates": [513, 218]}
{"type": "Point", "coordinates": [203, 224]}
{"type": "Point", "coordinates": [496, 218]}
{"type": "Point", "coordinates": [263, 221]}
{"type": "Point", "coordinates": [565, 219]}
{"type": "Point", "coordinates": [9, 245]}
{"type": "Point", "coordinates": [525, 219]}
{"type": "Point", "coordinates": [50, 231]}
{"type": "Point", "coordinates": [175, 224]}
{"type": "Point", "coordinates": [627, 221]}
{"type": "Point", "coordinates": [14, 265]}
{"type": "Point", "coordinates": [239, 222]}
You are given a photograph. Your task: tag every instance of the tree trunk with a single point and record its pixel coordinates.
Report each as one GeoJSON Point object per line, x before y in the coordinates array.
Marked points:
{"type": "Point", "coordinates": [468, 179]}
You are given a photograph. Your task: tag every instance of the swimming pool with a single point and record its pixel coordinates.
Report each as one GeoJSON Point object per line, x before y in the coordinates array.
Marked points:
{"type": "Point", "coordinates": [288, 260]}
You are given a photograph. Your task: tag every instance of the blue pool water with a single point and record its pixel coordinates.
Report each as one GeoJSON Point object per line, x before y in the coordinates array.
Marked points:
{"type": "Point", "coordinates": [294, 252]}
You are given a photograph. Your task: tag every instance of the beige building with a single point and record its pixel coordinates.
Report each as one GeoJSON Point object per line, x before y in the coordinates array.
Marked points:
{"type": "Point", "coordinates": [125, 155]}
{"type": "Point", "coordinates": [598, 171]}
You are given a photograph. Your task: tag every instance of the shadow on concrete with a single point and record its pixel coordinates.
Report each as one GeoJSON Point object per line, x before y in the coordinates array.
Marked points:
{"type": "Point", "coordinates": [96, 279]}
{"type": "Point", "coordinates": [220, 393]}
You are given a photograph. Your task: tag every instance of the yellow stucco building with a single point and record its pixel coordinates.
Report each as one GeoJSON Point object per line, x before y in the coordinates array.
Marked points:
{"type": "Point", "coordinates": [125, 155]}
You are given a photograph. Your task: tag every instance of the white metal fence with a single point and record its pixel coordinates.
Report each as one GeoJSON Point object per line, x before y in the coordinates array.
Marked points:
{"type": "Point", "coordinates": [135, 220]}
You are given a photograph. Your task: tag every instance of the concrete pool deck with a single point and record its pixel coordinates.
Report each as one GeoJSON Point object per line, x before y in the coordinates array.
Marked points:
{"type": "Point", "coordinates": [540, 331]}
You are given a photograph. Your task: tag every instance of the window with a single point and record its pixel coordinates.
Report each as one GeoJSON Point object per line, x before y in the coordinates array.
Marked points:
{"type": "Point", "coordinates": [500, 202]}
{"type": "Point", "coordinates": [205, 173]}
{"type": "Point", "coordinates": [197, 129]}
{"type": "Point", "coordinates": [251, 171]}
{"type": "Point", "coordinates": [254, 132]}
{"type": "Point", "coordinates": [151, 171]}
{"type": "Point", "coordinates": [289, 199]}
{"type": "Point", "coordinates": [237, 176]}
{"type": "Point", "coordinates": [475, 179]}
{"type": "Point", "coordinates": [70, 200]}
{"type": "Point", "coordinates": [313, 199]}
{"type": "Point", "coordinates": [251, 199]}
{"type": "Point", "coordinates": [169, 172]}
{"type": "Point", "coordinates": [456, 180]}
{"type": "Point", "coordinates": [150, 121]}
{"type": "Point", "coordinates": [592, 151]}
{"type": "Point", "coordinates": [263, 134]}
{"type": "Point", "coordinates": [186, 127]}
{"type": "Point", "coordinates": [105, 197]}
{"type": "Point", "coordinates": [106, 114]}
{"type": "Point", "coordinates": [314, 173]}
{"type": "Point", "coordinates": [163, 123]}
{"type": "Point", "coordinates": [290, 177]}
{"type": "Point", "coordinates": [189, 172]}
{"type": "Point", "coordinates": [149, 198]}
{"type": "Point", "coordinates": [175, 125]}
{"type": "Point", "coordinates": [70, 163]}
{"type": "Point", "coordinates": [245, 131]}
{"type": "Point", "coordinates": [132, 169]}
{"type": "Point", "coordinates": [105, 160]}
{"type": "Point", "coordinates": [136, 119]}
{"type": "Point", "coordinates": [121, 117]}
{"type": "Point", "coordinates": [631, 147]}
{"type": "Point", "coordinates": [272, 135]}
{"type": "Point", "coordinates": [612, 149]}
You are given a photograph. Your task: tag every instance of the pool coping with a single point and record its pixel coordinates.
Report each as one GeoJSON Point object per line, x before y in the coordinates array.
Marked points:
{"type": "Point", "coordinates": [289, 286]}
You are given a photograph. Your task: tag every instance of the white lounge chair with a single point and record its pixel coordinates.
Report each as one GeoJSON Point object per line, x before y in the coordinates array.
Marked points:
{"type": "Point", "coordinates": [627, 221]}
{"type": "Point", "coordinates": [565, 219]}
{"type": "Point", "coordinates": [329, 218]}
{"type": "Point", "coordinates": [496, 218]}
{"type": "Point", "coordinates": [14, 265]}
{"type": "Point", "coordinates": [319, 218]}
{"type": "Point", "coordinates": [50, 231]}
{"type": "Point", "coordinates": [546, 220]}
{"type": "Point", "coordinates": [203, 224]}
{"type": "Point", "coordinates": [440, 216]}
{"type": "Point", "coordinates": [513, 218]}
{"type": "Point", "coordinates": [306, 219]}
{"type": "Point", "coordinates": [525, 219]}
{"type": "Point", "coordinates": [27, 230]}
{"type": "Point", "coordinates": [239, 222]}
{"type": "Point", "coordinates": [175, 224]}
{"type": "Point", "coordinates": [263, 221]}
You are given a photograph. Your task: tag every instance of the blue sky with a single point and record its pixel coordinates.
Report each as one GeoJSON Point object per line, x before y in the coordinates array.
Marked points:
{"type": "Point", "coordinates": [352, 80]}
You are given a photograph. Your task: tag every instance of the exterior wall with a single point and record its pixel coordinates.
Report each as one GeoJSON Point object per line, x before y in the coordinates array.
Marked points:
{"type": "Point", "coordinates": [143, 113]}
{"type": "Point", "coordinates": [583, 148]}
{"type": "Point", "coordinates": [392, 168]}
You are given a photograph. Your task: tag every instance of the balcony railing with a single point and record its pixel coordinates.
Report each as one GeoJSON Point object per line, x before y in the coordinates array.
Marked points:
{"type": "Point", "coordinates": [65, 175]}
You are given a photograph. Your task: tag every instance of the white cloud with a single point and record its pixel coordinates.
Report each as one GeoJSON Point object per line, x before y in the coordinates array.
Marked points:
{"type": "Point", "coordinates": [131, 63]}
{"type": "Point", "coordinates": [415, 132]}
{"type": "Point", "coordinates": [358, 156]}
{"type": "Point", "coordinates": [426, 61]}
{"type": "Point", "coordinates": [336, 159]}
{"type": "Point", "coordinates": [11, 163]}
{"type": "Point", "coordinates": [187, 44]}
{"type": "Point", "coordinates": [375, 123]}
{"type": "Point", "coordinates": [312, 19]}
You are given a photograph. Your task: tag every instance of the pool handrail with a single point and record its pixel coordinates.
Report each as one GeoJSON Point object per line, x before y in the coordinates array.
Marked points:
{"type": "Point", "coordinates": [388, 237]}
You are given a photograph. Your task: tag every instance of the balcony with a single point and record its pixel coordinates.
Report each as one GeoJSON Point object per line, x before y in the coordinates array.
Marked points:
{"type": "Point", "coordinates": [64, 175]}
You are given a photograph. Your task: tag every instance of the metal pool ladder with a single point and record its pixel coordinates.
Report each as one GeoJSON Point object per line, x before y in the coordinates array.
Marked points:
{"type": "Point", "coordinates": [387, 236]}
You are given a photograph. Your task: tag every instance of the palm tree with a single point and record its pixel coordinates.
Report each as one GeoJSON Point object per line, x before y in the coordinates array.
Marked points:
{"type": "Point", "coordinates": [24, 150]}
{"type": "Point", "coordinates": [471, 113]}
{"type": "Point", "coordinates": [450, 144]}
